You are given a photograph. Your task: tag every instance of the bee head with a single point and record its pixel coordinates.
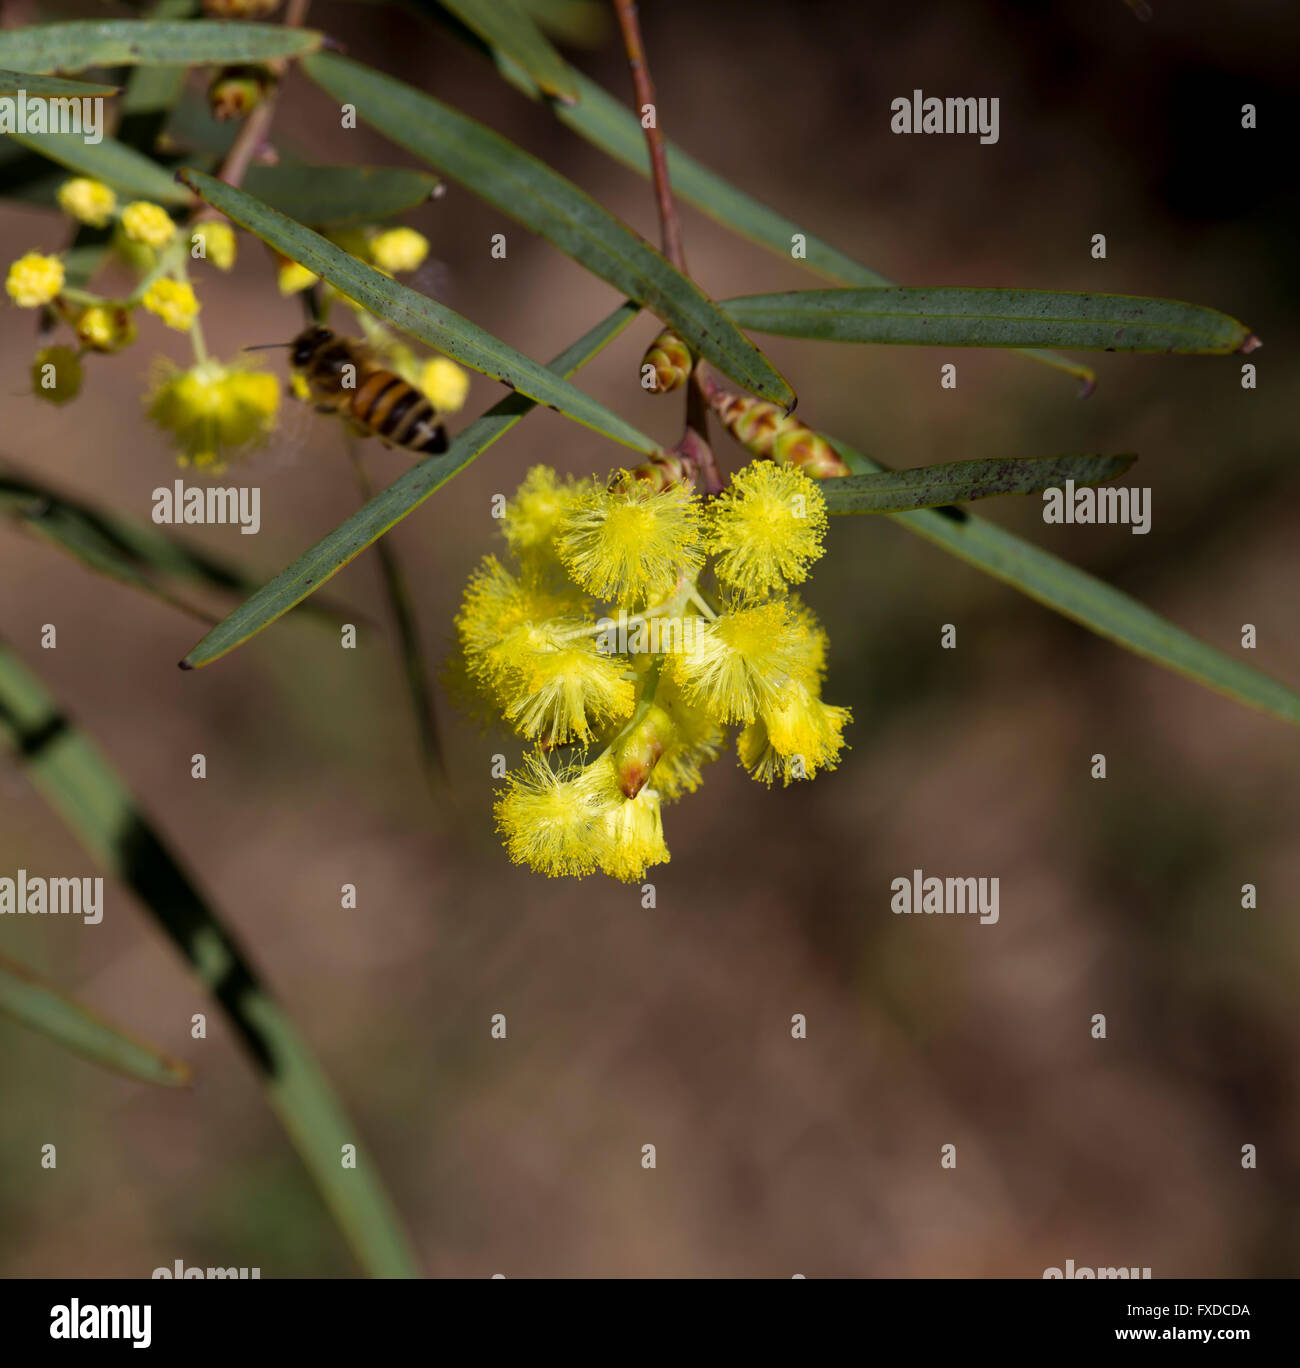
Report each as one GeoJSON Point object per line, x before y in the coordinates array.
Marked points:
{"type": "Point", "coordinates": [307, 344]}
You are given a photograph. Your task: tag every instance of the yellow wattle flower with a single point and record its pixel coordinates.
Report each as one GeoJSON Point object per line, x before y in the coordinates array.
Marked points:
{"type": "Point", "coordinates": [561, 687]}
{"type": "Point", "coordinates": [174, 302]}
{"type": "Point", "coordinates": [630, 543]}
{"type": "Point", "coordinates": [741, 662]}
{"type": "Point", "coordinates": [796, 736]}
{"type": "Point", "coordinates": [766, 529]}
{"type": "Point", "coordinates": [106, 327]}
{"type": "Point", "coordinates": [88, 201]}
{"type": "Point", "coordinates": [148, 224]}
{"type": "Point", "coordinates": [634, 836]}
{"type": "Point", "coordinates": [553, 821]}
{"type": "Point", "coordinates": [214, 412]}
{"type": "Point", "coordinates": [655, 693]}
{"type": "Point", "coordinates": [34, 280]}
{"type": "Point", "coordinates": [399, 249]}
{"type": "Point", "coordinates": [533, 516]}
{"type": "Point", "coordinates": [218, 243]}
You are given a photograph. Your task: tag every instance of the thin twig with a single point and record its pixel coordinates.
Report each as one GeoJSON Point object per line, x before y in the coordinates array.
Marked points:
{"type": "Point", "coordinates": [645, 95]}
{"type": "Point", "coordinates": [252, 132]}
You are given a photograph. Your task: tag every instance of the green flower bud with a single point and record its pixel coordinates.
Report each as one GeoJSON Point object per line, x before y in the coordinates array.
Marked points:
{"type": "Point", "coordinates": [637, 752]}
{"type": "Point", "coordinates": [670, 358]}
{"type": "Point", "coordinates": [56, 375]}
{"type": "Point", "coordinates": [237, 90]}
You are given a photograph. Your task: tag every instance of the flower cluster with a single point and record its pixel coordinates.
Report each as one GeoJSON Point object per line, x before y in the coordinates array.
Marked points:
{"type": "Point", "coordinates": [214, 412]}
{"type": "Point", "coordinates": [633, 625]}
{"type": "Point", "coordinates": [147, 237]}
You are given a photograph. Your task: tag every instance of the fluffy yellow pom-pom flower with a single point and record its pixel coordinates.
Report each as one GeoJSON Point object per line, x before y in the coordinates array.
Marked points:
{"type": "Point", "coordinates": [766, 529]}
{"type": "Point", "coordinates": [56, 375]}
{"type": "Point", "coordinates": [741, 662]}
{"type": "Point", "coordinates": [634, 836]}
{"type": "Point", "coordinates": [559, 686]}
{"type": "Point", "coordinates": [214, 241]}
{"type": "Point", "coordinates": [552, 820]}
{"type": "Point", "coordinates": [34, 280]}
{"type": "Point", "coordinates": [174, 302]}
{"type": "Point", "coordinates": [149, 224]}
{"type": "Point", "coordinates": [631, 543]}
{"type": "Point", "coordinates": [497, 611]}
{"type": "Point", "coordinates": [795, 737]}
{"type": "Point", "coordinates": [399, 249]}
{"type": "Point", "coordinates": [533, 515]}
{"type": "Point", "coordinates": [88, 201]}
{"type": "Point", "coordinates": [215, 412]}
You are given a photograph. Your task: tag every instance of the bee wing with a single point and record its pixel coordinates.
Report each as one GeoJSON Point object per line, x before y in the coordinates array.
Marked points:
{"type": "Point", "coordinates": [295, 423]}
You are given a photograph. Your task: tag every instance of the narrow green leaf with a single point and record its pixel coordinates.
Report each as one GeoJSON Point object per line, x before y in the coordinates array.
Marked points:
{"type": "Point", "coordinates": [129, 552]}
{"type": "Point", "coordinates": [129, 172]}
{"type": "Point", "coordinates": [935, 486]}
{"type": "Point", "coordinates": [608, 123]}
{"type": "Point", "coordinates": [74, 777]}
{"type": "Point", "coordinates": [338, 195]}
{"type": "Point", "coordinates": [34, 86]}
{"type": "Point", "coordinates": [1091, 602]}
{"type": "Point", "coordinates": [954, 317]}
{"type": "Point", "coordinates": [31, 999]}
{"type": "Point", "coordinates": [520, 185]}
{"type": "Point", "coordinates": [389, 507]}
{"type": "Point", "coordinates": [503, 25]}
{"type": "Point", "coordinates": [414, 313]}
{"type": "Point", "coordinates": [81, 43]}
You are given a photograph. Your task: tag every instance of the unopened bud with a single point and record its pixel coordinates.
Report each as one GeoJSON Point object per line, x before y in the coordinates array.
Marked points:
{"type": "Point", "coordinates": [237, 90]}
{"type": "Point", "coordinates": [105, 327]}
{"type": "Point", "coordinates": [665, 469]}
{"type": "Point", "coordinates": [765, 430]}
{"type": "Point", "coordinates": [670, 358]}
{"type": "Point", "coordinates": [638, 751]}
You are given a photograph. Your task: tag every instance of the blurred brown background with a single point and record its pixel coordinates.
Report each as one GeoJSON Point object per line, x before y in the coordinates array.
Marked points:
{"type": "Point", "coordinates": [671, 1026]}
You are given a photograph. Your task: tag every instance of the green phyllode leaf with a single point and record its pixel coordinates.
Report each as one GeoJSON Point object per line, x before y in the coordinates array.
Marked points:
{"type": "Point", "coordinates": [78, 44]}
{"type": "Point", "coordinates": [947, 317]}
{"type": "Point", "coordinates": [74, 777]}
{"type": "Point", "coordinates": [27, 997]}
{"type": "Point", "coordinates": [935, 486]}
{"type": "Point", "coordinates": [338, 196]}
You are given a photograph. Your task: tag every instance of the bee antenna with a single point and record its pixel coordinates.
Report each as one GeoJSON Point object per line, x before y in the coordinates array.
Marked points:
{"type": "Point", "coordinates": [268, 346]}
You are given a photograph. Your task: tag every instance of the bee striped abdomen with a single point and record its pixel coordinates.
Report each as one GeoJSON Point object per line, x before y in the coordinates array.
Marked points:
{"type": "Point", "coordinates": [342, 378]}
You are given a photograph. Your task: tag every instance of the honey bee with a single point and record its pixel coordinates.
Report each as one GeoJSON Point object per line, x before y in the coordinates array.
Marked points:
{"type": "Point", "coordinates": [343, 377]}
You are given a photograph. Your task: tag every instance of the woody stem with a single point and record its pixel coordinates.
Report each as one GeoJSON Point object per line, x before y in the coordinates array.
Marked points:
{"type": "Point", "coordinates": [630, 24]}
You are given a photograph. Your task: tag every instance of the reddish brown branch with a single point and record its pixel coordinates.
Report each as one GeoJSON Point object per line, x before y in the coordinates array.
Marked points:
{"type": "Point", "coordinates": [251, 137]}
{"type": "Point", "coordinates": [645, 95]}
